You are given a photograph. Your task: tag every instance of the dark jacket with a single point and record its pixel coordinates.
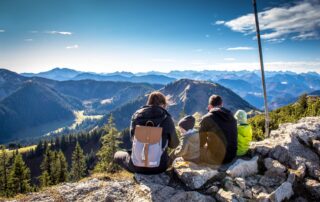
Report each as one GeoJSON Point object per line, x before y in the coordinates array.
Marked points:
{"type": "Point", "coordinates": [218, 128]}
{"type": "Point", "coordinates": [156, 115]}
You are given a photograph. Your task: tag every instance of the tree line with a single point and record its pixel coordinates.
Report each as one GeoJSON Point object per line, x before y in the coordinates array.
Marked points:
{"type": "Point", "coordinates": [305, 106]}
{"type": "Point", "coordinates": [15, 174]}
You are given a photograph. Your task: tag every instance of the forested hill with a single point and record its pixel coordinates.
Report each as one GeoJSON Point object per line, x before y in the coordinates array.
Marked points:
{"type": "Point", "coordinates": [33, 105]}
{"type": "Point", "coordinates": [305, 106]}
{"type": "Point", "coordinates": [185, 96]}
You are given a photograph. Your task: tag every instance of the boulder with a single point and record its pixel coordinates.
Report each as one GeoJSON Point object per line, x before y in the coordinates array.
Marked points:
{"type": "Point", "coordinates": [316, 146]}
{"type": "Point", "coordinates": [162, 179]}
{"type": "Point", "coordinates": [282, 192]}
{"type": "Point", "coordinates": [240, 182]}
{"type": "Point", "coordinates": [313, 189]}
{"type": "Point", "coordinates": [286, 145]}
{"type": "Point", "coordinates": [232, 187]}
{"type": "Point", "coordinates": [190, 196]}
{"type": "Point", "coordinates": [194, 176]}
{"type": "Point", "coordinates": [212, 190]}
{"type": "Point", "coordinates": [274, 167]}
{"type": "Point", "coordinates": [243, 168]}
{"type": "Point", "coordinates": [271, 181]}
{"type": "Point", "coordinates": [227, 196]}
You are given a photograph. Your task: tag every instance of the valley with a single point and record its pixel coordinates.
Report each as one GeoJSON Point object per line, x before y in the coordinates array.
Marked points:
{"type": "Point", "coordinates": [53, 103]}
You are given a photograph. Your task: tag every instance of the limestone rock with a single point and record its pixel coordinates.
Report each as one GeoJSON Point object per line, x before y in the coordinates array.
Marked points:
{"type": "Point", "coordinates": [162, 179]}
{"type": "Point", "coordinates": [194, 176]}
{"type": "Point", "coordinates": [316, 146]}
{"type": "Point", "coordinates": [286, 145]}
{"type": "Point", "coordinates": [274, 167]}
{"type": "Point", "coordinates": [243, 168]}
{"type": "Point", "coordinates": [227, 196]}
{"type": "Point", "coordinates": [212, 190]}
{"type": "Point", "coordinates": [240, 182]}
{"type": "Point", "coordinates": [271, 181]}
{"type": "Point", "coordinates": [313, 188]}
{"type": "Point", "coordinates": [190, 196]}
{"type": "Point", "coordinates": [230, 186]}
{"type": "Point", "coordinates": [283, 192]}
{"type": "Point", "coordinates": [248, 194]}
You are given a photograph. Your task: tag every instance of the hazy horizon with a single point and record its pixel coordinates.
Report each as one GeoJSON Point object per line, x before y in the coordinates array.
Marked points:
{"type": "Point", "coordinates": [141, 36]}
{"type": "Point", "coordinates": [164, 72]}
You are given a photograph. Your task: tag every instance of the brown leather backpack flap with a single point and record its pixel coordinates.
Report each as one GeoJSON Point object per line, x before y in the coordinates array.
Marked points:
{"type": "Point", "coordinates": [147, 134]}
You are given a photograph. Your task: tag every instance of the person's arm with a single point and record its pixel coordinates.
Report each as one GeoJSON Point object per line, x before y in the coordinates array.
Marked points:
{"type": "Point", "coordinates": [132, 126]}
{"type": "Point", "coordinates": [173, 138]}
{"type": "Point", "coordinates": [203, 132]}
{"type": "Point", "coordinates": [183, 147]}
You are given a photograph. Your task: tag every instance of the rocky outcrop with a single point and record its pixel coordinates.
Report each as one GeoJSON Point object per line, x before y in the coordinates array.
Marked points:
{"type": "Point", "coordinates": [283, 167]}
{"type": "Point", "coordinates": [194, 176]}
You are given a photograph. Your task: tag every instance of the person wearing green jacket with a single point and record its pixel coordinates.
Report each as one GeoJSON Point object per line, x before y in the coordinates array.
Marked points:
{"type": "Point", "coordinates": [244, 132]}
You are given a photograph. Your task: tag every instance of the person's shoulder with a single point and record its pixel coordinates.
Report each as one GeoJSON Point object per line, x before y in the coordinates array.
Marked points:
{"type": "Point", "coordinates": [206, 117]}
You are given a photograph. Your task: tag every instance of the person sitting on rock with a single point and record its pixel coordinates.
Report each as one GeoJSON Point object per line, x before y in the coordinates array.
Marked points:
{"type": "Point", "coordinates": [189, 148]}
{"type": "Point", "coordinates": [218, 134]}
{"type": "Point", "coordinates": [152, 132]}
{"type": "Point", "coordinates": [244, 132]}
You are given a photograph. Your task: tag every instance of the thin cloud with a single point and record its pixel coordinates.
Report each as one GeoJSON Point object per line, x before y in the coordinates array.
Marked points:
{"type": "Point", "coordinates": [219, 22]}
{"type": "Point", "coordinates": [300, 21]}
{"type": "Point", "coordinates": [229, 59]}
{"type": "Point", "coordinates": [28, 40]}
{"type": "Point", "coordinates": [2, 30]}
{"type": "Point", "coordinates": [73, 46]}
{"type": "Point", "coordinates": [240, 48]}
{"type": "Point", "coordinates": [58, 32]}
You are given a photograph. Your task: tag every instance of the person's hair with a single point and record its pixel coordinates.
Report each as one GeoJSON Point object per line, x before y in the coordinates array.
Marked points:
{"type": "Point", "coordinates": [156, 98]}
{"type": "Point", "coordinates": [215, 100]}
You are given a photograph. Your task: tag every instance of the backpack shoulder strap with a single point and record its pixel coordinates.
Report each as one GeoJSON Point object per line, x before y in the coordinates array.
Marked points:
{"type": "Point", "coordinates": [161, 122]}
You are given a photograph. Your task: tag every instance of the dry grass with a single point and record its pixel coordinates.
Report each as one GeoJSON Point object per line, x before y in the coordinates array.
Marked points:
{"type": "Point", "coordinates": [21, 150]}
{"type": "Point", "coordinates": [121, 175]}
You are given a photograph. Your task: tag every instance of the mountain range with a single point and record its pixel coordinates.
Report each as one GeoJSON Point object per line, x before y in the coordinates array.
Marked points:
{"type": "Point", "coordinates": [282, 87]}
{"type": "Point", "coordinates": [63, 74]}
{"type": "Point", "coordinates": [29, 105]}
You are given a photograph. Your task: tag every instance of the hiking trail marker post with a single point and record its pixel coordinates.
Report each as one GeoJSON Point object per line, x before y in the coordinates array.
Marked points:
{"type": "Point", "coordinates": [262, 69]}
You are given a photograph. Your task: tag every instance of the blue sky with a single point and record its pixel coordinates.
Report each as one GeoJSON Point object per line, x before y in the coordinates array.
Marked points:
{"type": "Point", "coordinates": [160, 35]}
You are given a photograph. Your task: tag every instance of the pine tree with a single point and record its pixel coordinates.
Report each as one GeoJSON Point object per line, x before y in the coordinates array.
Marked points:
{"type": "Point", "coordinates": [110, 144]}
{"type": "Point", "coordinates": [47, 167]}
{"type": "Point", "coordinates": [19, 177]}
{"type": "Point", "coordinates": [39, 148]}
{"type": "Point", "coordinates": [4, 172]}
{"type": "Point", "coordinates": [44, 179]}
{"type": "Point", "coordinates": [78, 168]}
{"type": "Point", "coordinates": [63, 169]}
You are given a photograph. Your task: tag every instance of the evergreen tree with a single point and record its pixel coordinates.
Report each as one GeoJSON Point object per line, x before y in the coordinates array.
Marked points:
{"type": "Point", "coordinates": [44, 179]}
{"type": "Point", "coordinates": [78, 168]}
{"type": "Point", "coordinates": [4, 172]}
{"type": "Point", "coordinates": [39, 148]}
{"type": "Point", "coordinates": [47, 167]}
{"type": "Point", "coordinates": [110, 144]}
{"type": "Point", "coordinates": [63, 167]}
{"type": "Point", "coordinates": [287, 114]}
{"type": "Point", "coordinates": [19, 177]}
